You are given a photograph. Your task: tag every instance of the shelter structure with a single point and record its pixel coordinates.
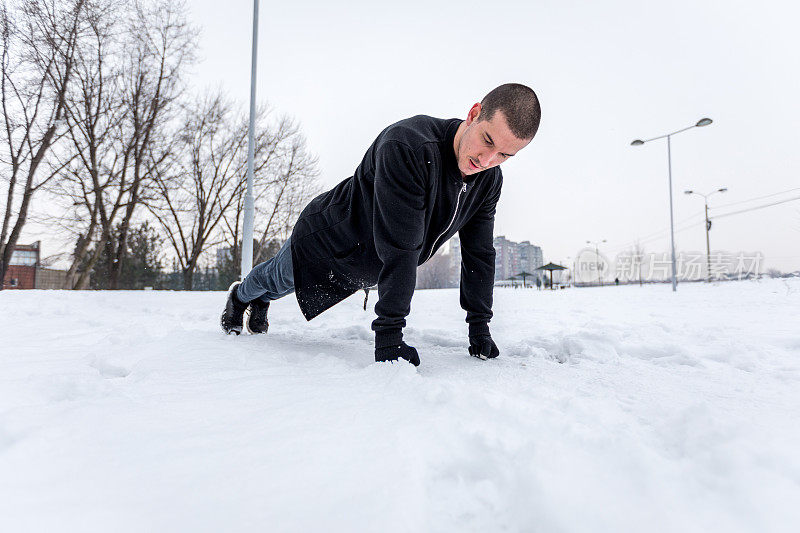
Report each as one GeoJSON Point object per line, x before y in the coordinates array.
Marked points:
{"type": "Point", "coordinates": [550, 267]}
{"type": "Point", "coordinates": [524, 275]}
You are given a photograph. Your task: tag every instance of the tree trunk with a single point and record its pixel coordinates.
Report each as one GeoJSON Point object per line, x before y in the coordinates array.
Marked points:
{"type": "Point", "coordinates": [22, 216]}
{"type": "Point", "coordinates": [9, 205]}
{"type": "Point", "coordinates": [11, 244]}
{"type": "Point", "coordinates": [122, 239]}
{"type": "Point", "coordinates": [188, 277]}
{"type": "Point", "coordinates": [81, 248]}
{"type": "Point", "coordinates": [85, 276]}
{"type": "Point", "coordinates": [80, 251]}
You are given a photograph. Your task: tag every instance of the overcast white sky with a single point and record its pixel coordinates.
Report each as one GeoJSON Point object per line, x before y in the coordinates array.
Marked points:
{"type": "Point", "coordinates": [606, 73]}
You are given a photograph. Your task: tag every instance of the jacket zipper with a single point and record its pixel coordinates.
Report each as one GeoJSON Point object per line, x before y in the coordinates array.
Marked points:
{"type": "Point", "coordinates": [455, 213]}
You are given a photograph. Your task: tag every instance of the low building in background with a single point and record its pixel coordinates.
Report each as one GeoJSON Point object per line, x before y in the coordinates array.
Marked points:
{"type": "Point", "coordinates": [50, 278]}
{"type": "Point", "coordinates": [25, 271]}
{"type": "Point", "coordinates": [21, 273]}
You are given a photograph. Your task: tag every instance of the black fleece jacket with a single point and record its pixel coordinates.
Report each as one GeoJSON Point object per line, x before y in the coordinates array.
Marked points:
{"type": "Point", "coordinates": [405, 200]}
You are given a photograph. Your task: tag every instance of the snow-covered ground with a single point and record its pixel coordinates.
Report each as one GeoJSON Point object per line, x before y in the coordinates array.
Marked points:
{"type": "Point", "coordinates": [609, 409]}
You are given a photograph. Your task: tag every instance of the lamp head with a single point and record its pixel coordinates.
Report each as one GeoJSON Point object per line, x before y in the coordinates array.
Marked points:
{"type": "Point", "coordinates": [688, 192]}
{"type": "Point", "coordinates": [724, 189]}
{"type": "Point", "coordinates": [703, 122]}
{"type": "Point", "coordinates": [637, 142]}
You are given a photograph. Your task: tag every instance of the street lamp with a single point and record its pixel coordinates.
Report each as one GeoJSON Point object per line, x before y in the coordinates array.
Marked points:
{"type": "Point", "coordinates": [249, 202]}
{"type": "Point", "coordinates": [708, 226]}
{"type": "Point", "coordinates": [700, 123]}
{"type": "Point", "coordinates": [571, 273]}
{"type": "Point", "coordinates": [597, 258]}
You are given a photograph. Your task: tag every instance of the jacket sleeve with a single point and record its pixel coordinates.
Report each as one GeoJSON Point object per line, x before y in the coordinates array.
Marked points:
{"type": "Point", "coordinates": [398, 224]}
{"type": "Point", "coordinates": [477, 263]}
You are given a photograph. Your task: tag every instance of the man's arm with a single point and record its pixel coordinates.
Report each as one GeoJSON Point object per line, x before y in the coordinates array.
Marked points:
{"type": "Point", "coordinates": [398, 223]}
{"type": "Point", "coordinates": [477, 264]}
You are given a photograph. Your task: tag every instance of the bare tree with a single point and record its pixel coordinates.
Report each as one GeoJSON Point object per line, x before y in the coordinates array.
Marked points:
{"type": "Point", "coordinates": [94, 113]}
{"type": "Point", "coordinates": [39, 42]}
{"type": "Point", "coordinates": [774, 273]}
{"type": "Point", "coordinates": [205, 178]}
{"type": "Point", "coordinates": [286, 187]}
{"type": "Point", "coordinates": [161, 44]}
{"type": "Point", "coordinates": [436, 273]}
{"type": "Point", "coordinates": [285, 179]}
{"type": "Point", "coordinates": [130, 76]}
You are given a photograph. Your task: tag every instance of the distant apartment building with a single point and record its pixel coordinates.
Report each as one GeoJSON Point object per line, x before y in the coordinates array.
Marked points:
{"type": "Point", "coordinates": [511, 258]}
{"type": "Point", "coordinates": [530, 257]}
{"type": "Point", "coordinates": [26, 272]}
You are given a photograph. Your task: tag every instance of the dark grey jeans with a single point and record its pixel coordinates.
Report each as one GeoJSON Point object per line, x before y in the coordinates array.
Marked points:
{"type": "Point", "coordinates": [271, 279]}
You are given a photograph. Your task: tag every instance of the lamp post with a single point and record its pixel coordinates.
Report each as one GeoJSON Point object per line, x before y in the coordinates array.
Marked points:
{"type": "Point", "coordinates": [249, 202]}
{"type": "Point", "coordinates": [597, 258]}
{"type": "Point", "coordinates": [700, 123]}
{"type": "Point", "coordinates": [708, 227]}
{"type": "Point", "coordinates": [571, 274]}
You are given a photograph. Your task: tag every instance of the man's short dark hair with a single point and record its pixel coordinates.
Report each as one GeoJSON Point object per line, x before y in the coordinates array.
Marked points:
{"type": "Point", "coordinates": [520, 106]}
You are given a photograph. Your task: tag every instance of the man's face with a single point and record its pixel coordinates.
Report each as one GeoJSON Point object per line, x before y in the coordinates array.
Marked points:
{"type": "Point", "coordinates": [485, 144]}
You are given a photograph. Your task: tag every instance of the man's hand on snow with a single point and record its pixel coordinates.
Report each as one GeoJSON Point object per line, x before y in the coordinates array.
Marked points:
{"type": "Point", "coordinates": [397, 351]}
{"type": "Point", "coordinates": [483, 347]}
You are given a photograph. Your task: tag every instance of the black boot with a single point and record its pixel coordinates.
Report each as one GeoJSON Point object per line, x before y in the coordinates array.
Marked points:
{"type": "Point", "coordinates": [232, 316]}
{"type": "Point", "coordinates": [257, 317]}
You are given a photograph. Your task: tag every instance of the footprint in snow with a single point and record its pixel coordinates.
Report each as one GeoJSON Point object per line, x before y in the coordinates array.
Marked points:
{"type": "Point", "coordinates": [109, 370]}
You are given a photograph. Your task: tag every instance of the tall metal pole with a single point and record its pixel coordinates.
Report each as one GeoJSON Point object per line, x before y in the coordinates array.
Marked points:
{"type": "Point", "coordinates": [597, 260]}
{"type": "Point", "coordinates": [597, 263]}
{"type": "Point", "coordinates": [249, 202]}
{"type": "Point", "coordinates": [708, 244]}
{"type": "Point", "coordinates": [671, 216]}
{"type": "Point", "coordinates": [708, 228]}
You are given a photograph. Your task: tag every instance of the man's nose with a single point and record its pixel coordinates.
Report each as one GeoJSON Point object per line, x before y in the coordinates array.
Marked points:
{"type": "Point", "coordinates": [486, 160]}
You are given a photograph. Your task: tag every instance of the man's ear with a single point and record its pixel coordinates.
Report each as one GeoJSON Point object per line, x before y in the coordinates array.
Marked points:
{"type": "Point", "coordinates": [474, 113]}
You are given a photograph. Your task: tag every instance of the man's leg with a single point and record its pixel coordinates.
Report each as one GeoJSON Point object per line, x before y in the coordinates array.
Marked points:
{"type": "Point", "coordinates": [268, 281]}
{"type": "Point", "coordinates": [271, 279]}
